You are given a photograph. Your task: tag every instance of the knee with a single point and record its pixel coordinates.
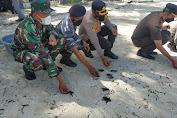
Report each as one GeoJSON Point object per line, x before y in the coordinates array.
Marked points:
{"type": "Point", "coordinates": [106, 29]}
{"type": "Point", "coordinates": [107, 45]}
{"type": "Point", "coordinates": [109, 31]}
{"type": "Point", "coordinates": [136, 43]}
{"type": "Point", "coordinates": [37, 64]}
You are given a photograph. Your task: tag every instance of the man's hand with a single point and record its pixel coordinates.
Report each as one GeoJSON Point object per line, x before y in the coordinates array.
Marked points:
{"type": "Point", "coordinates": [85, 45]}
{"type": "Point", "coordinates": [114, 31]}
{"type": "Point", "coordinates": [159, 46]}
{"type": "Point", "coordinates": [174, 63]}
{"type": "Point", "coordinates": [106, 62]}
{"type": "Point", "coordinates": [93, 71]}
{"type": "Point", "coordinates": [62, 87]}
{"type": "Point", "coordinates": [52, 40]}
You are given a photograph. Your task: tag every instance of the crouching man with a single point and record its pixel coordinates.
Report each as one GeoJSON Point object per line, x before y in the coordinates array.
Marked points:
{"type": "Point", "coordinates": [36, 44]}
{"type": "Point", "coordinates": [67, 27]}
{"type": "Point", "coordinates": [149, 33]}
{"type": "Point", "coordinates": [94, 33]}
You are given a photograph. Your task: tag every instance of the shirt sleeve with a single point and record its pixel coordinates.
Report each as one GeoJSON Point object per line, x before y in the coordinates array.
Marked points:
{"type": "Point", "coordinates": [68, 32]}
{"type": "Point", "coordinates": [52, 30]}
{"type": "Point", "coordinates": [109, 24]}
{"type": "Point", "coordinates": [93, 38]}
{"type": "Point", "coordinates": [155, 32]}
{"type": "Point", "coordinates": [70, 42]}
{"type": "Point", "coordinates": [55, 32]}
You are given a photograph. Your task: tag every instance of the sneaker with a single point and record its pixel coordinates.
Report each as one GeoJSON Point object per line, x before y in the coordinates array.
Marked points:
{"type": "Point", "coordinates": [68, 62]}
{"type": "Point", "coordinates": [145, 55]}
{"type": "Point", "coordinates": [87, 54]}
{"type": "Point", "coordinates": [172, 47]}
{"type": "Point", "coordinates": [29, 75]}
{"type": "Point", "coordinates": [109, 54]}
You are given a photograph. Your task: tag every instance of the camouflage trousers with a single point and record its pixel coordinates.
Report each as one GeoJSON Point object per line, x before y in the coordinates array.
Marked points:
{"type": "Point", "coordinates": [35, 61]}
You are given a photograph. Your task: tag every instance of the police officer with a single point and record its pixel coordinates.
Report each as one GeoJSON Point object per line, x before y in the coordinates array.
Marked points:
{"type": "Point", "coordinates": [36, 44]}
{"type": "Point", "coordinates": [67, 27]}
{"type": "Point", "coordinates": [149, 33]}
{"type": "Point", "coordinates": [92, 31]}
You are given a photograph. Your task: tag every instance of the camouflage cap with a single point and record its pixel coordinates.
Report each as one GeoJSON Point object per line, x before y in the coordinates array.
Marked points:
{"type": "Point", "coordinates": [41, 5]}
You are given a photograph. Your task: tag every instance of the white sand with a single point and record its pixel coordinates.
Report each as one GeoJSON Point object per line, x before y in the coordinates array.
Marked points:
{"type": "Point", "coordinates": [141, 88]}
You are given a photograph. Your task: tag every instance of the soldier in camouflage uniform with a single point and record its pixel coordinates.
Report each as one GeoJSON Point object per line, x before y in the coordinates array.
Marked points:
{"type": "Point", "coordinates": [36, 44]}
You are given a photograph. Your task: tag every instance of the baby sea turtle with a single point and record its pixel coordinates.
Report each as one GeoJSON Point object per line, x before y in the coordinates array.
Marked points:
{"type": "Point", "coordinates": [114, 71]}
{"type": "Point", "coordinates": [109, 76]}
{"type": "Point", "coordinates": [98, 76]}
{"type": "Point", "coordinates": [71, 93]}
{"type": "Point", "coordinates": [106, 99]}
{"type": "Point", "coordinates": [105, 89]}
{"type": "Point", "coordinates": [100, 70]}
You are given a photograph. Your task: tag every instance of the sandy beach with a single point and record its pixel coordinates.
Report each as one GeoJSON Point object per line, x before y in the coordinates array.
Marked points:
{"type": "Point", "coordinates": [138, 88]}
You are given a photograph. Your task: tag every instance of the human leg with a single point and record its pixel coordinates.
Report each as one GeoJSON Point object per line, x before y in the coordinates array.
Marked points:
{"type": "Point", "coordinates": [18, 10]}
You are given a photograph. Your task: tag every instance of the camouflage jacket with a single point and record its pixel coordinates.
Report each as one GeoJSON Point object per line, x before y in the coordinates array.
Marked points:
{"type": "Point", "coordinates": [32, 37]}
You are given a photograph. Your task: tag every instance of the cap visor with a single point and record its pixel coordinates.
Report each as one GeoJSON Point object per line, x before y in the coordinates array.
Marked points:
{"type": "Point", "coordinates": [174, 14]}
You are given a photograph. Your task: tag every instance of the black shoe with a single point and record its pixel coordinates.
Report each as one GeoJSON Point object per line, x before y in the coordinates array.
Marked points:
{"type": "Point", "coordinates": [172, 47]}
{"type": "Point", "coordinates": [145, 55]}
{"type": "Point", "coordinates": [152, 53]}
{"type": "Point", "coordinates": [29, 75]}
{"type": "Point", "coordinates": [59, 68]}
{"type": "Point", "coordinates": [19, 20]}
{"type": "Point", "coordinates": [68, 62]}
{"type": "Point", "coordinates": [87, 54]}
{"type": "Point", "coordinates": [109, 54]}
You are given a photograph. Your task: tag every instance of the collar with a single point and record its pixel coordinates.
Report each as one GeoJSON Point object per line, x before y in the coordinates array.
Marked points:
{"type": "Point", "coordinates": [71, 23]}
{"type": "Point", "coordinates": [161, 20]}
{"type": "Point", "coordinates": [34, 21]}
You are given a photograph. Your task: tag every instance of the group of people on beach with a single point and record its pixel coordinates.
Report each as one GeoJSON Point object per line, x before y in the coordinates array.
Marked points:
{"type": "Point", "coordinates": [37, 42]}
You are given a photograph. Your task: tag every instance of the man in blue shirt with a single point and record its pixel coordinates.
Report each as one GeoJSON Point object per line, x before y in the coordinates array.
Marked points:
{"type": "Point", "coordinates": [67, 27]}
